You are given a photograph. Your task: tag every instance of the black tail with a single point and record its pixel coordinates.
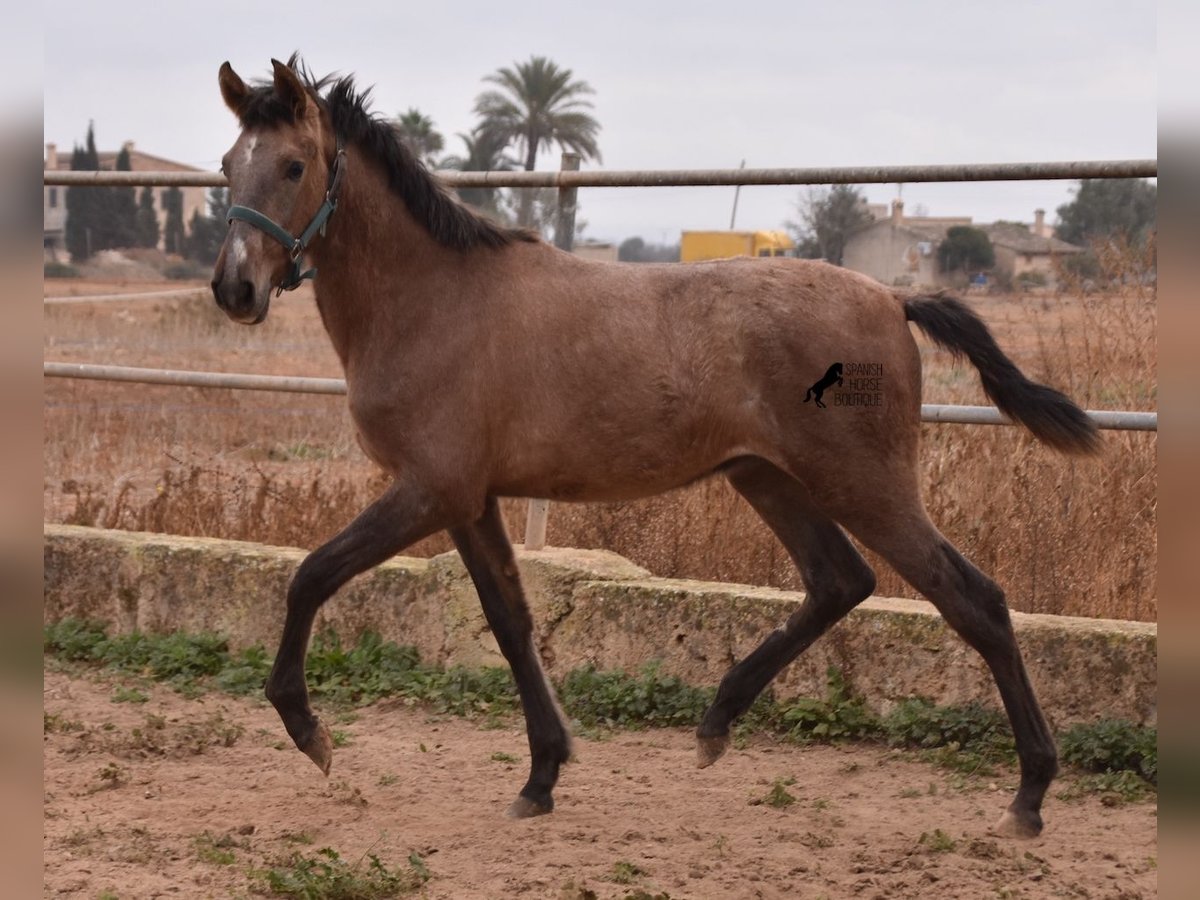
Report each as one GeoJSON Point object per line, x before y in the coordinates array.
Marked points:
{"type": "Point", "coordinates": [1051, 416]}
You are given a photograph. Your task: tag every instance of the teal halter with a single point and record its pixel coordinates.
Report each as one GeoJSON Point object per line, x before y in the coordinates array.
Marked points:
{"type": "Point", "coordinates": [297, 245]}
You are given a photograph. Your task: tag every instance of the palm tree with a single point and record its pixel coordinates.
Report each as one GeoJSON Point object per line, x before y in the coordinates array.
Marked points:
{"type": "Point", "coordinates": [485, 152]}
{"type": "Point", "coordinates": [539, 104]}
{"type": "Point", "coordinates": [416, 130]}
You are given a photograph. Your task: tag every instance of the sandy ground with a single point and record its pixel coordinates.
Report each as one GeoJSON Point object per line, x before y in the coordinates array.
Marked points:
{"type": "Point", "coordinates": [137, 794]}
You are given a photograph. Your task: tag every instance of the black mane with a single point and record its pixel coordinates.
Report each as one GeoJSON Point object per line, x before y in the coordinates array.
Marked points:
{"type": "Point", "coordinates": [449, 222]}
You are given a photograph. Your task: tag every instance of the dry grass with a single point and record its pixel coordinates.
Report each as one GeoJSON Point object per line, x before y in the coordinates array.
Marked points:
{"type": "Point", "coordinates": [1062, 535]}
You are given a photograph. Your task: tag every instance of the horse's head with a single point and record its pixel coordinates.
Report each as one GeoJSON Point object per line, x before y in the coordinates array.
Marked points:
{"type": "Point", "coordinates": [280, 174]}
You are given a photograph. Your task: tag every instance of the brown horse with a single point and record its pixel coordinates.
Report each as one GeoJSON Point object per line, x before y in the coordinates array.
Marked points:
{"type": "Point", "coordinates": [484, 363]}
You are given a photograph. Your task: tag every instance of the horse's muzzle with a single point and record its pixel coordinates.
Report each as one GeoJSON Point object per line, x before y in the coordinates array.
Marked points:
{"type": "Point", "coordinates": [240, 300]}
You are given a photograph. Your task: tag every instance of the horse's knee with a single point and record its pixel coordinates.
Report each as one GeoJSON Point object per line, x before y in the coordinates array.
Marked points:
{"type": "Point", "coordinates": [314, 580]}
{"type": "Point", "coordinates": [861, 585]}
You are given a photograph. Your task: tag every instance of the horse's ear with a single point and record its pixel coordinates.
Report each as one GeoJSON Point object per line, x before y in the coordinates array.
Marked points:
{"type": "Point", "coordinates": [233, 89]}
{"type": "Point", "coordinates": [291, 90]}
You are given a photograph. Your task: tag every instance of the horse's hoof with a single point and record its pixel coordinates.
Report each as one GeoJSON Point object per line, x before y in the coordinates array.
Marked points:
{"type": "Point", "coordinates": [710, 749]}
{"type": "Point", "coordinates": [319, 747]}
{"type": "Point", "coordinates": [524, 808]}
{"type": "Point", "coordinates": [1012, 825]}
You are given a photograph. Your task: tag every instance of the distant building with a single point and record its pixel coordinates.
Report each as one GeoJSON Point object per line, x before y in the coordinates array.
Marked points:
{"type": "Point", "coordinates": [903, 250]}
{"type": "Point", "coordinates": [1023, 249]}
{"type": "Point", "coordinates": [54, 198]}
{"type": "Point", "coordinates": [603, 251]}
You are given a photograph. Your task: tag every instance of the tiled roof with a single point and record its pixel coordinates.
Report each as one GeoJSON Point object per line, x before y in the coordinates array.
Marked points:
{"type": "Point", "coordinates": [1015, 236]}
{"type": "Point", "coordinates": [139, 162]}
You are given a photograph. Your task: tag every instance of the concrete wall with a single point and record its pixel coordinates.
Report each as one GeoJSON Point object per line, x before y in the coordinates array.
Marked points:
{"type": "Point", "coordinates": [594, 607]}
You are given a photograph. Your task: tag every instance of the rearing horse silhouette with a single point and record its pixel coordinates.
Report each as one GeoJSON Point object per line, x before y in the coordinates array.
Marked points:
{"type": "Point", "coordinates": [829, 379]}
{"type": "Point", "coordinates": [483, 363]}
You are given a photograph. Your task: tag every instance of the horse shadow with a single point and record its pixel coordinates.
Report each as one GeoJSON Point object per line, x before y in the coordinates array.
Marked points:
{"type": "Point", "coordinates": [831, 377]}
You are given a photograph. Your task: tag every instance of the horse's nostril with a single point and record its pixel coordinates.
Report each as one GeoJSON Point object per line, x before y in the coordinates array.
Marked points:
{"type": "Point", "coordinates": [236, 298]}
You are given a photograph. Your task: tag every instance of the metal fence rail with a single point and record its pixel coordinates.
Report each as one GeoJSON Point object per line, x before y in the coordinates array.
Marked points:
{"type": "Point", "coordinates": [1013, 171]}
{"type": "Point", "coordinates": [122, 298]}
{"type": "Point", "coordinates": [1117, 420]}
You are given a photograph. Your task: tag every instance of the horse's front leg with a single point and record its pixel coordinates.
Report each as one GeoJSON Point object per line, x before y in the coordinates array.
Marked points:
{"type": "Point", "coordinates": [488, 556]}
{"type": "Point", "coordinates": [402, 516]}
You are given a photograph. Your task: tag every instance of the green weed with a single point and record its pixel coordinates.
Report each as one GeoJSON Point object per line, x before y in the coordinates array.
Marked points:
{"type": "Point", "coordinates": [621, 700]}
{"type": "Point", "coordinates": [1112, 746]}
{"type": "Point", "coordinates": [217, 851]}
{"type": "Point", "coordinates": [1113, 788]}
{"type": "Point", "coordinates": [937, 841]}
{"type": "Point", "coordinates": [625, 872]}
{"type": "Point", "coordinates": [125, 694]}
{"type": "Point", "coordinates": [326, 876]}
{"type": "Point", "coordinates": [778, 796]}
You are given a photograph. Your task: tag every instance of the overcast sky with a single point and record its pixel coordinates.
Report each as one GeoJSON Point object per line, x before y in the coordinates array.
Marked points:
{"type": "Point", "coordinates": [678, 85]}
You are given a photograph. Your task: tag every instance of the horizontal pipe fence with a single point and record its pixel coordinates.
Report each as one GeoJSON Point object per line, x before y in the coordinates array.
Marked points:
{"type": "Point", "coordinates": [1014, 171]}
{"type": "Point", "coordinates": [1117, 420]}
{"type": "Point", "coordinates": [568, 180]}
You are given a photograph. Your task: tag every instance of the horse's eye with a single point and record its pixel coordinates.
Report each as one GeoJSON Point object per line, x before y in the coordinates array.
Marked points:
{"type": "Point", "coordinates": [295, 170]}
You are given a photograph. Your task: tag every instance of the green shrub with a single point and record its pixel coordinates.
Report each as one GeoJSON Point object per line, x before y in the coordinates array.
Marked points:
{"type": "Point", "coordinates": [617, 699]}
{"type": "Point", "coordinates": [57, 269]}
{"type": "Point", "coordinates": [1111, 745]}
{"type": "Point", "coordinates": [75, 640]}
{"type": "Point", "coordinates": [839, 716]}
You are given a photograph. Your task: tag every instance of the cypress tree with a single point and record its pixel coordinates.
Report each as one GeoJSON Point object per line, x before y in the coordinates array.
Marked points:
{"type": "Point", "coordinates": [146, 220]}
{"type": "Point", "coordinates": [208, 231]}
{"type": "Point", "coordinates": [174, 236]}
{"type": "Point", "coordinates": [84, 204]}
{"type": "Point", "coordinates": [123, 209]}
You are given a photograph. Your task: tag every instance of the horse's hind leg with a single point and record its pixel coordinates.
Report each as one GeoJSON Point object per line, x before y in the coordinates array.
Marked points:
{"type": "Point", "coordinates": [974, 606]}
{"type": "Point", "coordinates": [836, 578]}
{"type": "Point", "coordinates": [488, 556]}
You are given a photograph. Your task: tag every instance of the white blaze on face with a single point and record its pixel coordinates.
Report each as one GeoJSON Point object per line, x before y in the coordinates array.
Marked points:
{"type": "Point", "coordinates": [250, 145]}
{"type": "Point", "coordinates": [238, 249]}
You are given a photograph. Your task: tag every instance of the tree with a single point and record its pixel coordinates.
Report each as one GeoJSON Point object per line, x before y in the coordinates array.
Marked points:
{"type": "Point", "coordinates": [174, 237]}
{"type": "Point", "coordinates": [1121, 208]}
{"type": "Point", "coordinates": [635, 249]}
{"type": "Point", "coordinates": [416, 131]}
{"type": "Point", "coordinates": [146, 220]}
{"type": "Point", "coordinates": [538, 104]}
{"type": "Point", "coordinates": [83, 204]}
{"type": "Point", "coordinates": [485, 152]}
{"type": "Point", "coordinates": [827, 216]}
{"type": "Point", "coordinates": [208, 231]}
{"type": "Point", "coordinates": [121, 227]}
{"type": "Point", "coordinates": [966, 249]}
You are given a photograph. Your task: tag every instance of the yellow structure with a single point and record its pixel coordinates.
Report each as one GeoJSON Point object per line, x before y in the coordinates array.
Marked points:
{"type": "Point", "coordinates": [697, 245]}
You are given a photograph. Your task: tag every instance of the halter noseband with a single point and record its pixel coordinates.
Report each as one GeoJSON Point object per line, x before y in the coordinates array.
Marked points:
{"type": "Point", "coordinates": [297, 245]}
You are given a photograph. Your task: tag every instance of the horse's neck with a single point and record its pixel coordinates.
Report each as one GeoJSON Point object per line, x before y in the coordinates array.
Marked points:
{"type": "Point", "coordinates": [372, 249]}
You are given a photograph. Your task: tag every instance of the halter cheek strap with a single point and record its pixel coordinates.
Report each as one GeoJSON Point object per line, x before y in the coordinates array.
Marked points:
{"type": "Point", "coordinates": [297, 245]}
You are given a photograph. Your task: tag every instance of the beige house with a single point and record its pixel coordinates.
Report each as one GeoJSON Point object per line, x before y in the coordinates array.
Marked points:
{"type": "Point", "coordinates": [903, 250]}
{"type": "Point", "coordinates": [900, 250]}
{"type": "Point", "coordinates": [54, 198]}
{"type": "Point", "coordinates": [1028, 250]}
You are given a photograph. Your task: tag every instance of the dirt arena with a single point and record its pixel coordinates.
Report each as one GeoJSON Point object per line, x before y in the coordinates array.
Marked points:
{"type": "Point", "coordinates": [150, 794]}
